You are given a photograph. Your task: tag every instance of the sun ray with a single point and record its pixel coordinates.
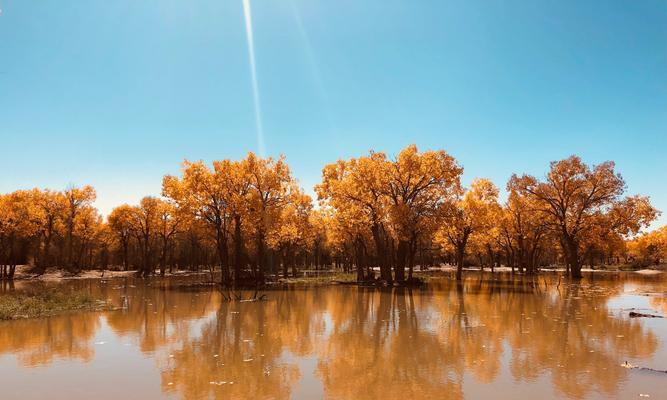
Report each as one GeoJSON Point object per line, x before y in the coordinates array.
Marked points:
{"type": "Point", "coordinates": [247, 14]}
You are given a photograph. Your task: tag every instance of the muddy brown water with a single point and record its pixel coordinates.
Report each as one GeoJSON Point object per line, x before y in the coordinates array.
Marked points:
{"type": "Point", "coordinates": [491, 337]}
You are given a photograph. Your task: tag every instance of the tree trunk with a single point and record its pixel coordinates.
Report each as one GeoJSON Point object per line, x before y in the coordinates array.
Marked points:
{"type": "Point", "coordinates": [126, 264]}
{"type": "Point", "coordinates": [359, 260]}
{"type": "Point", "coordinates": [295, 270]}
{"type": "Point", "coordinates": [223, 254]}
{"type": "Point", "coordinates": [401, 260]}
{"type": "Point", "coordinates": [385, 268]}
{"type": "Point", "coordinates": [460, 255]}
{"type": "Point", "coordinates": [238, 246]}
{"type": "Point", "coordinates": [285, 262]}
{"type": "Point", "coordinates": [573, 259]}
{"type": "Point", "coordinates": [260, 256]}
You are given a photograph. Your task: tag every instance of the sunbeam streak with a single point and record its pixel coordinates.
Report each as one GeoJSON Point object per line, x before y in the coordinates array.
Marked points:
{"type": "Point", "coordinates": [253, 73]}
{"type": "Point", "coordinates": [312, 63]}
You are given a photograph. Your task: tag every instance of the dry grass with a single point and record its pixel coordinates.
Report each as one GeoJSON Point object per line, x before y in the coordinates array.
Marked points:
{"type": "Point", "coordinates": [323, 279]}
{"type": "Point", "coordinates": [47, 303]}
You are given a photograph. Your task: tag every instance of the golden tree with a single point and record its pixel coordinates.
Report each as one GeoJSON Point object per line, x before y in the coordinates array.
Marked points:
{"type": "Point", "coordinates": [580, 202]}
{"type": "Point", "coordinates": [527, 228]}
{"type": "Point", "coordinates": [90, 233]}
{"type": "Point", "coordinates": [649, 248]}
{"type": "Point", "coordinates": [418, 185]}
{"type": "Point", "coordinates": [473, 213]}
{"type": "Point", "coordinates": [397, 198]}
{"type": "Point", "coordinates": [51, 206]}
{"type": "Point", "coordinates": [170, 221]}
{"type": "Point", "coordinates": [19, 222]}
{"type": "Point", "coordinates": [120, 223]}
{"type": "Point", "coordinates": [292, 231]}
{"type": "Point", "coordinates": [354, 189]}
{"type": "Point", "coordinates": [203, 193]}
{"type": "Point", "coordinates": [270, 185]}
{"type": "Point", "coordinates": [145, 224]}
{"type": "Point", "coordinates": [76, 199]}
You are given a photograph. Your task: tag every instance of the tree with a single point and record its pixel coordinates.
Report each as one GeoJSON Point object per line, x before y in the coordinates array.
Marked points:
{"type": "Point", "coordinates": [250, 193]}
{"type": "Point", "coordinates": [51, 206]}
{"type": "Point", "coordinates": [145, 222]}
{"type": "Point", "coordinates": [75, 200]}
{"type": "Point", "coordinates": [354, 190]}
{"type": "Point", "coordinates": [578, 202]}
{"type": "Point", "coordinates": [649, 248]}
{"type": "Point", "coordinates": [89, 231]}
{"type": "Point", "coordinates": [203, 193]}
{"type": "Point", "coordinates": [293, 230]}
{"type": "Point", "coordinates": [418, 185]}
{"type": "Point", "coordinates": [19, 221]}
{"type": "Point", "coordinates": [526, 228]}
{"type": "Point", "coordinates": [169, 223]}
{"type": "Point", "coordinates": [398, 199]}
{"type": "Point", "coordinates": [270, 184]}
{"type": "Point", "coordinates": [472, 213]}
{"type": "Point", "coordinates": [120, 222]}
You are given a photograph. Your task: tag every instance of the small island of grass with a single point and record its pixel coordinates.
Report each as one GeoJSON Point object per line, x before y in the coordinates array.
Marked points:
{"type": "Point", "coordinates": [47, 303]}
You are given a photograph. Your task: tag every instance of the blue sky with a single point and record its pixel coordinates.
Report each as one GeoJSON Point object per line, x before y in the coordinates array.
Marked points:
{"type": "Point", "coordinates": [117, 93]}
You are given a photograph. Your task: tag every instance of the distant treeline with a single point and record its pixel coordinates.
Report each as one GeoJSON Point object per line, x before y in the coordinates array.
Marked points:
{"type": "Point", "coordinates": [250, 218]}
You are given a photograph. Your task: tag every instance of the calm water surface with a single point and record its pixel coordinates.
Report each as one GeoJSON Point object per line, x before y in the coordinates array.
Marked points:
{"type": "Point", "coordinates": [491, 337]}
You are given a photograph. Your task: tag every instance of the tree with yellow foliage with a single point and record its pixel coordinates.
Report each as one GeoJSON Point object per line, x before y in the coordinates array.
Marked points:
{"type": "Point", "coordinates": [649, 248]}
{"type": "Point", "coordinates": [145, 225]}
{"type": "Point", "coordinates": [398, 199]}
{"type": "Point", "coordinates": [250, 193]}
{"type": "Point", "coordinates": [292, 231]}
{"type": "Point", "coordinates": [170, 221]}
{"type": "Point", "coordinates": [526, 226]}
{"type": "Point", "coordinates": [203, 194]}
{"type": "Point", "coordinates": [354, 190]}
{"type": "Point", "coordinates": [18, 224]}
{"type": "Point", "coordinates": [270, 186]}
{"type": "Point", "coordinates": [580, 203]}
{"type": "Point", "coordinates": [51, 208]}
{"type": "Point", "coordinates": [417, 186]}
{"type": "Point", "coordinates": [90, 234]}
{"type": "Point", "coordinates": [472, 213]}
{"type": "Point", "coordinates": [120, 223]}
{"type": "Point", "coordinates": [76, 199]}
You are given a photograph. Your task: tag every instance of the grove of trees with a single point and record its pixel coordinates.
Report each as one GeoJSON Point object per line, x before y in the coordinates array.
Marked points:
{"type": "Point", "coordinates": [376, 216]}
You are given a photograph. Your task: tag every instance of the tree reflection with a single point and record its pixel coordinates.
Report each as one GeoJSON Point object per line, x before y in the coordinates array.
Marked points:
{"type": "Point", "coordinates": [393, 343]}
{"type": "Point", "coordinates": [40, 341]}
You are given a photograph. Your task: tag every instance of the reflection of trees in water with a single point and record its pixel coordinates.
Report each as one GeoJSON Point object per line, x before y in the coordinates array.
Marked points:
{"type": "Point", "coordinates": [391, 343]}
{"type": "Point", "coordinates": [240, 353]}
{"type": "Point", "coordinates": [569, 336]}
{"type": "Point", "coordinates": [377, 349]}
{"type": "Point", "coordinates": [157, 316]}
{"type": "Point", "coordinates": [40, 341]}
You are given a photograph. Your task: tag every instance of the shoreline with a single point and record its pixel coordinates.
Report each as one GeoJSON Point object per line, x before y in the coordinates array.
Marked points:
{"type": "Point", "coordinates": [326, 277]}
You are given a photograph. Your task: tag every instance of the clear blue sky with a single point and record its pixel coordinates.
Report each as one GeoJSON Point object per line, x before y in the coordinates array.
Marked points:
{"type": "Point", "coordinates": [117, 93]}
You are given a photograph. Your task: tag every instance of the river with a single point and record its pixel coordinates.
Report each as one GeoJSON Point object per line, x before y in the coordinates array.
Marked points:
{"type": "Point", "coordinates": [493, 336]}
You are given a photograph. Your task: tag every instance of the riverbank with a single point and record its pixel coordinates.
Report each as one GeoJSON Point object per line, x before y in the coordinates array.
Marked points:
{"type": "Point", "coordinates": [24, 273]}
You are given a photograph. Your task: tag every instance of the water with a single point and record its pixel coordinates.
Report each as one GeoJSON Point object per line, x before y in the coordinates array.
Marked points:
{"type": "Point", "coordinates": [492, 337]}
